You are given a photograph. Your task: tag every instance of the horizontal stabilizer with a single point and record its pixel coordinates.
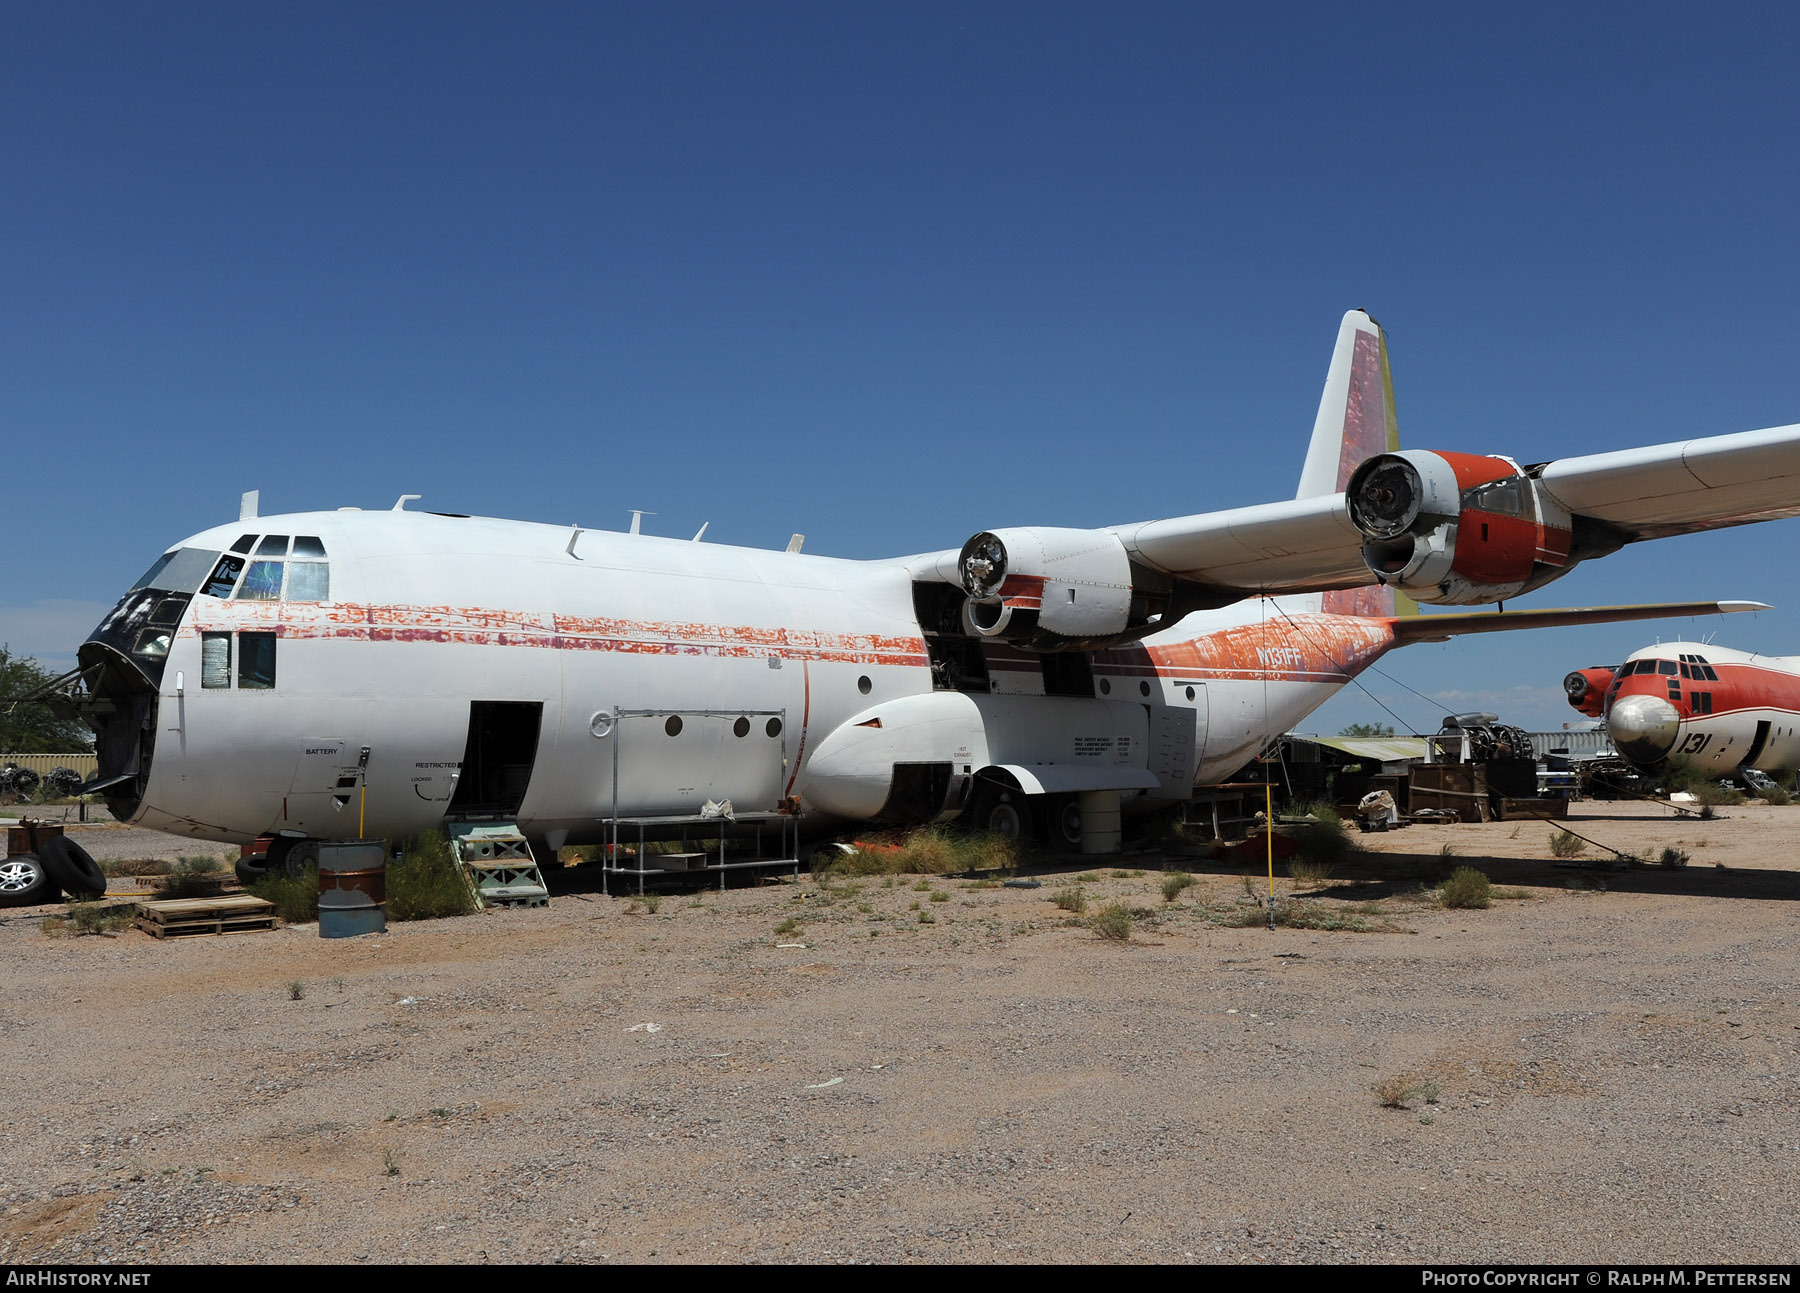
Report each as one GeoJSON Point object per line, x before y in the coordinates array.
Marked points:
{"type": "Point", "coordinates": [1441, 628]}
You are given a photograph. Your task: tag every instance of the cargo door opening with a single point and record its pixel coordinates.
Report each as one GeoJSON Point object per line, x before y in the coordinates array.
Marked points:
{"type": "Point", "coordinates": [497, 762]}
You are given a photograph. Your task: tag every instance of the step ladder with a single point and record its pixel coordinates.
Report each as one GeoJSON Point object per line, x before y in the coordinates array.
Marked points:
{"type": "Point", "coordinates": [498, 863]}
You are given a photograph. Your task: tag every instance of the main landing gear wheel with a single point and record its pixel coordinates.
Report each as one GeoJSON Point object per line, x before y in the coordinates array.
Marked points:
{"type": "Point", "coordinates": [999, 810]}
{"type": "Point", "coordinates": [1065, 823]}
{"type": "Point", "coordinates": [24, 880]}
{"type": "Point", "coordinates": [72, 867]}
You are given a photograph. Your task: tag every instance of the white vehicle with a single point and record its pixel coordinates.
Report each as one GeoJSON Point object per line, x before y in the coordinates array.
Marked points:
{"type": "Point", "coordinates": [346, 673]}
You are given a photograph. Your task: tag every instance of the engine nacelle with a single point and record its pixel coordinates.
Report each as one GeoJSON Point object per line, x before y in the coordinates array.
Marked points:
{"type": "Point", "coordinates": [1457, 528]}
{"type": "Point", "coordinates": [1050, 588]}
{"type": "Point", "coordinates": [1586, 689]}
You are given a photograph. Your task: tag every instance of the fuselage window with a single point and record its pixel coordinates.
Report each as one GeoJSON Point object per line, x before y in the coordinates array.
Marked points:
{"type": "Point", "coordinates": [308, 581]}
{"type": "Point", "coordinates": [215, 660]}
{"type": "Point", "coordinates": [263, 583]}
{"type": "Point", "coordinates": [256, 661]}
{"type": "Point", "coordinates": [224, 576]}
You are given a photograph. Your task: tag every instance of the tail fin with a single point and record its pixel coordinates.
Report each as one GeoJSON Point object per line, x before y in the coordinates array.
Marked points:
{"type": "Point", "coordinates": [1355, 421]}
{"type": "Point", "coordinates": [1356, 412]}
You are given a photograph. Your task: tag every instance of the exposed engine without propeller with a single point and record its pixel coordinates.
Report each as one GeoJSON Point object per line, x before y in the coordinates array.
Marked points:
{"type": "Point", "coordinates": [1050, 589]}
{"type": "Point", "coordinates": [1459, 528]}
{"type": "Point", "coordinates": [1586, 689]}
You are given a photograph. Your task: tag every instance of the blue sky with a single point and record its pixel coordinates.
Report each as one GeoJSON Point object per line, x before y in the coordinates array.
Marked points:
{"type": "Point", "coordinates": [885, 276]}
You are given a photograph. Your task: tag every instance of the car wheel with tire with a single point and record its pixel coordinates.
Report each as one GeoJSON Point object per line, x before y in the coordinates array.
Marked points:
{"type": "Point", "coordinates": [24, 880]}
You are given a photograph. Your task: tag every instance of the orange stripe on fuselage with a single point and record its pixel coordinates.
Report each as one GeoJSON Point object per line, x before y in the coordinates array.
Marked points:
{"type": "Point", "coordinates": [483, 626]}
{"type": "Point", "coordinates": [1307, 647]}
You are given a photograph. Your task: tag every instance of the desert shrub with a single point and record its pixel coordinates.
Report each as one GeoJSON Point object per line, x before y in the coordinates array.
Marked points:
{"type": "Point", "coordinates": [97, 917]}
{"type": "Point", "coordinates": [1113, 922]}
{"type": "Point", "coordinates": [1714, 795]}
{"type": "Point", "coordinates": [296, 900]}
{"type": "Point", "coordinates": [1320, 844]}
{"type": "Point", "coordinates": [424, 882]}
{"type": "Point", "coordinates": [930, 850]}
{"type": "Point", "coordinates": [136, 866]}
{"type": "Point", "coordinates": [1073, 898]}
{"type": "Point", "coordinates": [1673, 857]}
{"type": "Point", "coordinates": [1566, 844]}
{"type": "Point", "coordinates": [1466, 887]}
{"type": "Point", "coordinates": [1775, 795]}
{"type": "Point", "coordinates": [1174, 885]}
{"type": "Point", "coordinates": [1400, 1091]}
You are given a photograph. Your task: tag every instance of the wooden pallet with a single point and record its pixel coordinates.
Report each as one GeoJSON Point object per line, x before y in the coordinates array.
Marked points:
{"type": "Point", "coordinates": [180, 917]}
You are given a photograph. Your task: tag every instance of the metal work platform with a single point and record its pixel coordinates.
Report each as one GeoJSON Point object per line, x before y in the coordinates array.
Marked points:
{"type": "Point", "coordinates": [499, 865]}
{"type": "Point", "coordinates": [662, 866]}
{"type": "Point", "coordinates": [730, 757]}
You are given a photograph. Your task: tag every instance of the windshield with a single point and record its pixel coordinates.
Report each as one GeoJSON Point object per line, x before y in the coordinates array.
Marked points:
{"type": "Point", "coordinates": [180, 571]}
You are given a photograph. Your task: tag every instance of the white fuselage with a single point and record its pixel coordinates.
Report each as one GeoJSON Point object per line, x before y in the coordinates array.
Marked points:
{"type": "Point", "coordinates": [668, 673]}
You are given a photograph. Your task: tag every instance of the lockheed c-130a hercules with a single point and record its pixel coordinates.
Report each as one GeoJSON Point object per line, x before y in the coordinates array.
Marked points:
{"type": "Point", "coordinates": [265, 674]}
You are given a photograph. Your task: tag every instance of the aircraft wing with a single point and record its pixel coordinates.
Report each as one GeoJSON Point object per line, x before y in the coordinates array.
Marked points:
{"type": "Point", "coordinates": [1683, 487]}
{"type": "Point", "coordinates": [1443, 626]}
{"type": "Point", "coordinates": [1442, 527]}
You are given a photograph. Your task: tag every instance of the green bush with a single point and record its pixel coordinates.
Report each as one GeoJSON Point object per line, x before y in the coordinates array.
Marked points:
{"type": "Point", "coordinates": [928, 851]}
{"type": "Point", "coordinates": [1466, 887]}
{"type": "Point", "coordinates": [1566, 844]}
{"type": "Point", "coordinates": [424, 882]}
{"type": "Point", "coordinates": [1320, 844]}
{"type": "Point", "coordinates": [1070, 899]}
{"type": "Point", "coordinates": [296, 900]}
{"type": "Point", "coordinates": [1173, 885]}
{"type": "Point", "coordinates": [1113, 922]}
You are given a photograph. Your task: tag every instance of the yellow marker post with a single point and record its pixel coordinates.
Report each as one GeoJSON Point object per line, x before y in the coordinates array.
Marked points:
{"type": "Point", "coordinates": [362, 809]}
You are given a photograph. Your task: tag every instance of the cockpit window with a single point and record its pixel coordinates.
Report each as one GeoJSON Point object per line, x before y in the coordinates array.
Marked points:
{"type": "Point", "coordinates": [244, 544]}
{"type": "Point", "coordinates": [273, 545]}
{"type": "Point", "coordinates": [308, 545]}
{"type": "Point", "coordinates": [224, 576]}
{"type": "Point", "coordinates": [308, 581]}
{"type": "Point", "coordinates": [1665, 666]}
{"type": "Point", "coordinates": [262, 583]}
{"type": "Point", "coordinates": [180, 571]}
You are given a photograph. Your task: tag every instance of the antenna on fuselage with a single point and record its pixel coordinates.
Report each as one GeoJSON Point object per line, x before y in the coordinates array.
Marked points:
{"type": "Point", "coordinates": [637, 519]}
{"type": "Point", "coordinates": [794, 544]}
{"type": "Point", "coordinates": [700, 531]}
{"type": "Point", "coordinates": [574, 534]}
{"type": "Point", "coordinates": [401, 502]}
{"type": "Point", "coordinates": [248, 503]}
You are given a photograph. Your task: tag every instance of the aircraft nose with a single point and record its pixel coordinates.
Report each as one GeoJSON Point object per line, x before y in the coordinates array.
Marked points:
{"type": "Point", "coordinates": [1643, 728]}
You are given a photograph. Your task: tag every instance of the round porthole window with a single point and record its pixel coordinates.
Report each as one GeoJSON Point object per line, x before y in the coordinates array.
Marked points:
{"type": "Point", "coordinates": [1143, 689]}
{"type": "Point", "coordinates": [863, 684]}
{"type": "Point", "coordinates": [673, 726]}
{"type": "Point", "coordinates": [601, 724]}
{"type": "Point", "coordinates": [1190, 693]}
{"type": "Point", "coordinates": [774, 727]}
{"type": "Point", "coordinates": [741, 728]}
{"type": "Point", "coordinates": [1105, 687]}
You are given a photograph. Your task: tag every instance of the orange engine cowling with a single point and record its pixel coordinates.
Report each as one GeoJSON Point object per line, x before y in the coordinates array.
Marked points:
{"type": "Point", "coordinates": [1457, 528]}
{"type": "Point", "coordinates": [1586, 689]}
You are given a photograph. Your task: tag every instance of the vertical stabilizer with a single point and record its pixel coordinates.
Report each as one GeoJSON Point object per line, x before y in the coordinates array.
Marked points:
{"type": "Point", "coordinates": [1355, 421]}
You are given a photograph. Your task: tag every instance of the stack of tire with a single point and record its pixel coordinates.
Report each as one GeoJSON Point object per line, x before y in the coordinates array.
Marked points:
{"type": "Point", "coordinates": [59, 866]}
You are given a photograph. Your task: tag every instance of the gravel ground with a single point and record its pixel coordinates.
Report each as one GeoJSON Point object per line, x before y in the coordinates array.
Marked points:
{"type": "Point", "coordinates": [1603, 1069]}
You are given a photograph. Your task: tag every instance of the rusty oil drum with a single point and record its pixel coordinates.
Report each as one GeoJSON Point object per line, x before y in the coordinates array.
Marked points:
{"type": "Point", "coordinates": [352, 888]}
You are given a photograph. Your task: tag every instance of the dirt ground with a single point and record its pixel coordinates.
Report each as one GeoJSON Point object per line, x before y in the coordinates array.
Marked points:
{"type": "Point", "coordinates": [1601, 1067]}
